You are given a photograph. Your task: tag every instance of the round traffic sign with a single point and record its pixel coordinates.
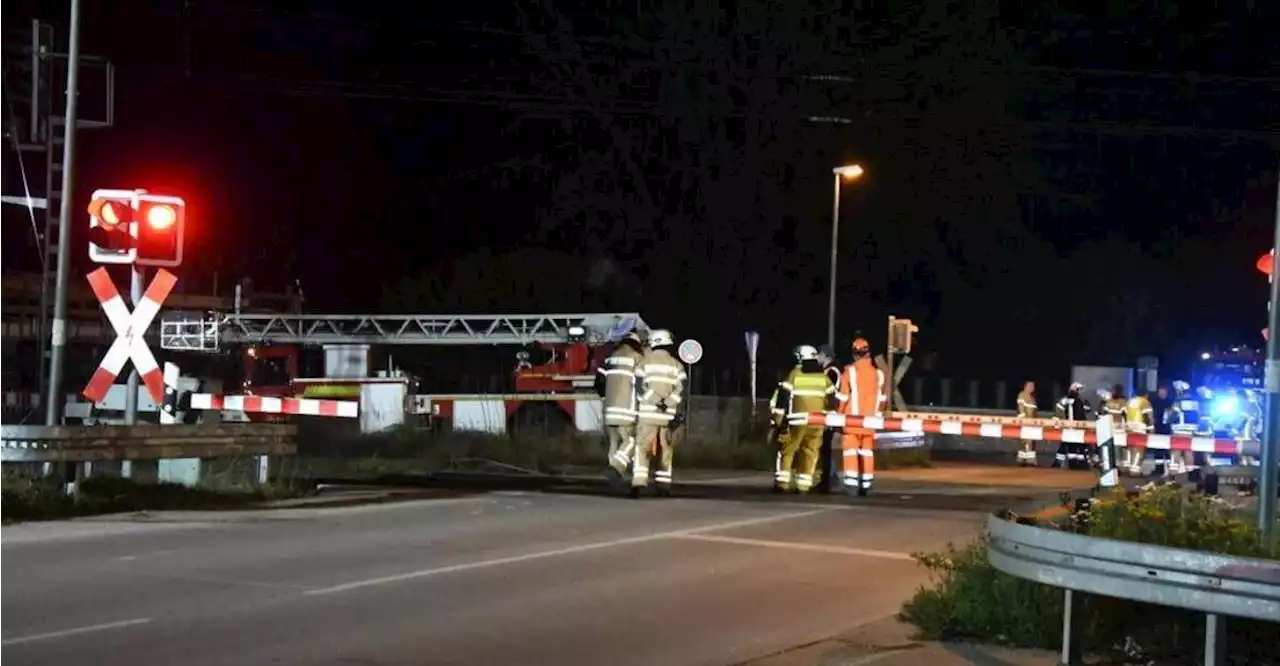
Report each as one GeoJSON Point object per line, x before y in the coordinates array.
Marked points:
{"type": "Point", "coordinates": [690, 351]}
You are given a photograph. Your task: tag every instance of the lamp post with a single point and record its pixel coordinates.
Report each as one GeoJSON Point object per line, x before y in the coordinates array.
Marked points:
{"type": "Point", "coordinates": [848, 172]}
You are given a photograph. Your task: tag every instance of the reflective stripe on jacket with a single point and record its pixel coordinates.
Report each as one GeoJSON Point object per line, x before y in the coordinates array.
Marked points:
{"type": "Point", "coordinates": [660, 379]}
{"type": "Point", "coordinates": [1027, 406]}
{"type": "Point", "coordinates": [862, 385]}
{"type": "Point", "coordinates": [619, 372]}
{"type": "Point", "coordinates": [807, 391]}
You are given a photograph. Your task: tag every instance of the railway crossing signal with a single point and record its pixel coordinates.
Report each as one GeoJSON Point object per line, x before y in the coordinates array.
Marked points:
{"type": "Point", "coordinates": [161, 224]}
{"type": "Point", "coordinates": [135, 227]}
{"type": "Point", "coordinates": [131, 329]}
{"type": "Point", "coordinates": [113, 231]}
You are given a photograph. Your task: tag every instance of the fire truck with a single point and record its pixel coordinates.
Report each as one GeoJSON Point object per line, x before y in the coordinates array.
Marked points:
{"type": "Point", "coordinates": [553, 371]}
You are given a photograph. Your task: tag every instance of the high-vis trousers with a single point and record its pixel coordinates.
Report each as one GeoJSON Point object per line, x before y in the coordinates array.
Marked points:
{"type": "Point", "coordinates": [653, 443]}
{"type": "Point", "coordinates": [622, 446]}
{"type": "Point", "coordinates": [858, 459]}
{"type": "Point", "coordinates": [1027, 453]}
{"type": "Point", "coordinates": [798, 452]}
{"type": "Point", "coordinates": [1134, 455]}
{"type": "Point", "coordinates": [1181, 462]}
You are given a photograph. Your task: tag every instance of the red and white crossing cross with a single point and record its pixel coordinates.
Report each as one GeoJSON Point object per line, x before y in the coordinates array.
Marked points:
{"type": "Point", "coordinates": [130, 328]}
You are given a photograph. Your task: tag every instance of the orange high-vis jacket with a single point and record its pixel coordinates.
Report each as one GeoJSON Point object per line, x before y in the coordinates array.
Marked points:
{"type": "Point", "coordinates": [862, 389]}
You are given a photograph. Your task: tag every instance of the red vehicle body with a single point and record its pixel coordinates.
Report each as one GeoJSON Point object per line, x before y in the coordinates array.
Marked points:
{"type": "Point", "coordinates": [543, 372]}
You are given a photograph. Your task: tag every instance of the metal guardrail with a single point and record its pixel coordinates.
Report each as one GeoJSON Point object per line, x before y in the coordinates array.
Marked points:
{"type": "Point", "coordinates": [144, 441]}
{"type": "Point", "coordinates": [1217, 585]}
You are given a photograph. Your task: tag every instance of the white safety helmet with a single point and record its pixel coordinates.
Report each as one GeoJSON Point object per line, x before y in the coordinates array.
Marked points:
{"type": "Point", "coordinates": [660, 337]}
{"type": "Point", "coordinates": [1104, 394]}
{"type": "Point", "coordinates": [1181, 386]}
{"type": "Point", "coordinates": [1075, 387]}
{"type": "Point", "coordinates": [806, 353]}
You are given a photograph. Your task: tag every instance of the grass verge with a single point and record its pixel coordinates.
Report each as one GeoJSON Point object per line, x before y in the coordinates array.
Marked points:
{"type": "Point", "coordinates": [415, 451]}
{"type": "Point", "coordinates": [968, 599]}
{"type": "Point", "coordinates": [26, 499]}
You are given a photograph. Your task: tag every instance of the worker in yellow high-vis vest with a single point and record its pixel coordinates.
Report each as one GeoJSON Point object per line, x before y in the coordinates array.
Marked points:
{"type": "Point", "coordinates": [807, 388]}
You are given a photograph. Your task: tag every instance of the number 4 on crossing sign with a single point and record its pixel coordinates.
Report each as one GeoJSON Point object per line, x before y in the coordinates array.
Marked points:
{"type": "Point", "coordinates": [131, 329]}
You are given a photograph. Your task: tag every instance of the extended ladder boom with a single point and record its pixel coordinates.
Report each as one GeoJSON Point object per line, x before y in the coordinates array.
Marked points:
{"type": "Point", "coordinates": [419, 329]}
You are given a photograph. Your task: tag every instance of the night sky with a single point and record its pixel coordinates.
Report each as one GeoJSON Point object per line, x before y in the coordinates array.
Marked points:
{"type": "Point", "coordinates": [1045, 185]}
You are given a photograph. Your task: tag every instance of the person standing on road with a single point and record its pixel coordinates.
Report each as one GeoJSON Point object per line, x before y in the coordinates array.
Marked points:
{"type": "Point", "coordinates": [616, 383]}
{"type": "Point", "coordinates": [1027, 409]}
{"type": "Point", "coordinates": [1072, 407]}
{"type": "Point", "coordinates": [863, 387]}
{"type": "Point", "coordinates": [1139, 418]}
{"type": "Point", "coordinates": [1251, 429]}
{"type": "Point", "coordinates": [1161, 404]}
{"type": "Point", "coordinates": [830, 436]}
{"type": "Point", "coordinates": [805, 389]}
{"type": "Point", "coordinates": [1184, 419]}
{"type": "Point", "coordinates": [660, 380]}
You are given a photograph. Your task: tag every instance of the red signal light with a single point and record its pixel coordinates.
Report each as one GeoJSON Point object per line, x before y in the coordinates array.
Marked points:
{"type": "Point", "coordinates": [1265, 262]}
{"type": "Point", "coordinates": [161, 217]}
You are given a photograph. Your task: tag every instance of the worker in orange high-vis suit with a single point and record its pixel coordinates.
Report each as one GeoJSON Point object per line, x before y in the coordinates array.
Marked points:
{"type": "Point", "coordinates": [862, 393]}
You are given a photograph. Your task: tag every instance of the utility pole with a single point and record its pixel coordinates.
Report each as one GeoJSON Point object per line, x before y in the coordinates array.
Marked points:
{"type": "Point", "coordinates": [835, 243]}
{"type": "Point", "coordinates": [1271, 427]}
{"type": "Point", "coordinates": [58, 334]}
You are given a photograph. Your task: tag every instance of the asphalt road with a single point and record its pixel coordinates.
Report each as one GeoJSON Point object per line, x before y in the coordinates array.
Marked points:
{"type": "Point", "coordinates": [526, 578]}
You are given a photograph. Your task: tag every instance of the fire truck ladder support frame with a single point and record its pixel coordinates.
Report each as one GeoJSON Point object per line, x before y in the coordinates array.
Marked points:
{"type": "Point", "coordinates": [408, 329]}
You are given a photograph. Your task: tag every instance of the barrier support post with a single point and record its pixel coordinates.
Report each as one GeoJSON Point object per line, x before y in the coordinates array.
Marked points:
{"type": "Point", "coordinates": [1072, 617]}
{"type": "Point", "coordinates": [1215, 640]}
{"type": "Point", "coordinates": [1110, 474]}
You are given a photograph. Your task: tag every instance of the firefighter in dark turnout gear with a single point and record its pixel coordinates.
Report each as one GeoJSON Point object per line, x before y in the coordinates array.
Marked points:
{"type": "Point", "coordinates": [830, 436]}
{"type": "Point", "coordinates": [1072, 407]}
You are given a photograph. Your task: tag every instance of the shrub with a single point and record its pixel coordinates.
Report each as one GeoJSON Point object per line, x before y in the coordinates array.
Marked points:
{"type": "Point", "coordinates": [27, 499]}
{"type": "Point", "coordinates": [969, 599]}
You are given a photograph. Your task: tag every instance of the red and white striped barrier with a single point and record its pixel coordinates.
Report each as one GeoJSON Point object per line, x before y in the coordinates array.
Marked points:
{"type": "Point", "coordinates": [1229, 447]}
{"type": "Point", "coordinates": [268, 405]}
{"type": "Point", "coordinates": [130, 327]}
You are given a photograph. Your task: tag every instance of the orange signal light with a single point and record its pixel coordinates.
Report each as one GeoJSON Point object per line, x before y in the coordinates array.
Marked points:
{"type": "Point", "coordinates": [161, 217]}
{"type": "Point", "coordinates": [109, 212]}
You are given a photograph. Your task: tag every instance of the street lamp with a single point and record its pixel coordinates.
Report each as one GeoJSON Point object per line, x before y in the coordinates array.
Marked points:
{"type": "Point", "coordinates": [849, 172]}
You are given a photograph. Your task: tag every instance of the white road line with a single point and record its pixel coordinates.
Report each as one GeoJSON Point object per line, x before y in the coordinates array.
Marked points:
{"type": "Point", "coordinates": [570, 550]}
{"type": "Point", "coordinates": [764, 479]}
{"type": "Point", "coordinates": [72, 632]}
{"type": "Point", "coordinates": [221, 581]}
{"type": "Point", "coordinates": [788, 545]}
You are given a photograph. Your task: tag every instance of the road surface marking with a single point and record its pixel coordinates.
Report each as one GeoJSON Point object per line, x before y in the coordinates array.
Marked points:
{"type": "Point", "coordinates": [152, 553]}
{"type": "Point", "coordinates": [221, 581]}
{"type": "Point", "coordinates": [72, 632]}
{"type": "Point", "coordinates": [812, 547]}
{"type": "Point", "coordinates": [764, 479]}
{"type": "Point", "coordinates": [570, 550]}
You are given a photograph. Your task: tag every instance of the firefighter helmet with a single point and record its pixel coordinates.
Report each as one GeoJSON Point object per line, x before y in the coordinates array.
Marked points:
{"type": "Point", "coordinates": [660, 337]}
{"type": "Point", "coordinates": [806, 353]}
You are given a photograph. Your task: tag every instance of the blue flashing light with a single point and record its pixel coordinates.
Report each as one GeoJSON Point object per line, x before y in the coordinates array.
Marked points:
{"type": "Point", "coordinates": [1227, 405]}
